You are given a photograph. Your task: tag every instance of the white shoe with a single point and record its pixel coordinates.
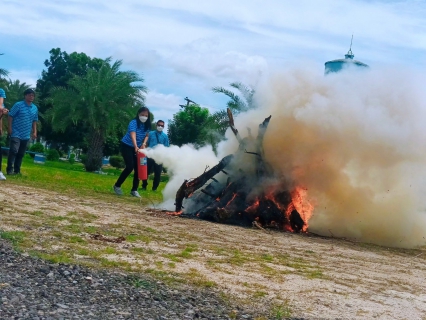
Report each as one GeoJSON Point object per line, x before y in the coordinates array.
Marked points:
{"type": "Point", "coordinates": [2, 177]}
{"type": "Point", "coordinates": [135, 194]}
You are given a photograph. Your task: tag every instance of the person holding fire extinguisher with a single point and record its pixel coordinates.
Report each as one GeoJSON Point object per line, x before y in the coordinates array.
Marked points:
{"type": "Point", "coordinates": [155, 138]}
{"type": "Point", "coordinates": [137, 130]}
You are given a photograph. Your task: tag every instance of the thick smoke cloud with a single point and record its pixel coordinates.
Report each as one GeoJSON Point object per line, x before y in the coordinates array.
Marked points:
{"type": "Point", "coordinates": [355, 140]}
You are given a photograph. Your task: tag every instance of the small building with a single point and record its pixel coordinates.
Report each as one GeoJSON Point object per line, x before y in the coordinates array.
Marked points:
{"type": "Point", "coordinates": [341, 64]}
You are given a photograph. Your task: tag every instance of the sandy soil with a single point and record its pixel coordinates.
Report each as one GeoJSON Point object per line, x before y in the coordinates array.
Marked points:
{"type": "Point", "coordinates": [306, 275]}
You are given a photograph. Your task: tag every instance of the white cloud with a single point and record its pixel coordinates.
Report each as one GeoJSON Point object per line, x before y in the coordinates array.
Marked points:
{"type": "Point", "coordinates": [28, 76]}
{"type": "Point", "coordinates": [183, 48]}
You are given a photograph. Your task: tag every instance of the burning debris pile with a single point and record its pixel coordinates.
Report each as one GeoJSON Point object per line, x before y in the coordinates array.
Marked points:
{"type": "Point", "coordinates": [244, 191]}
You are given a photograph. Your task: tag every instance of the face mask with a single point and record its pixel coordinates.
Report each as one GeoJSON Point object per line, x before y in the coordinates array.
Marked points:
{"type": "Point", "coordinates": [143, 119]}
{"type": "Point", "coordinates": [159, 128]}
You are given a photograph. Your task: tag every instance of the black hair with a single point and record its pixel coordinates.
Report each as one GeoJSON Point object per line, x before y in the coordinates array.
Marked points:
{"type": "Point", "coordinates": [160, 121]}
{"type": "Point", "coordinates": [29, 91]}
{"type": "Point", "coordinates": [147, 123]}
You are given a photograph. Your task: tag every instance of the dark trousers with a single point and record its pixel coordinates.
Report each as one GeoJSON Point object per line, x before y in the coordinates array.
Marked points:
{"type": "Point", "coordinates": [17, 150]}
{"type": "Point", "coordinates": [157, 169]}
{"type": "Point", "coordinates": [131, 162]}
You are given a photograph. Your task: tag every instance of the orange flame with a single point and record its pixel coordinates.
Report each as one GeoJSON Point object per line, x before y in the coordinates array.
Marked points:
{"type": "Point", "coordinates": [233, 197]}
{"type": "Point", "coordinates": [301, 204]}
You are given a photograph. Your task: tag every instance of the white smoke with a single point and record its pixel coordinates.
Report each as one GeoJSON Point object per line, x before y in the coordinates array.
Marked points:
{"type": "Point", "coordinates": [355, 140]}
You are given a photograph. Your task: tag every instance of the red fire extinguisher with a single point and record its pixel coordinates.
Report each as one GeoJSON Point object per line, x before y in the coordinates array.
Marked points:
{"type": "Point", "coordinates": [142, 166]}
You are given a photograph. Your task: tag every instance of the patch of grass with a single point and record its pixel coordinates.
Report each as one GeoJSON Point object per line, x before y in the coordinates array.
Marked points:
{"type": "Point", "coordinates": [57, 218]}
{"type": "Point", "coordinates": [140, 283]}
{"type": "Point", "coordinates": [57, 257]}
{"type": "Point", "coordinates": [280, 312]}
{"type": "Point", "coordinates": [138, 237]}
{"type": "Point", "coordinates": [315, 274]}
{"type": "Point", "coordinates": [83, 251]}
{"type": "Point", "coordinates": [172, 257]}
{"type": "Point", "coordinates": [63, 177]}
{"type": "Point", "coordinates": [77, 239]}
{"type": "Point", "coordinates": [187, 252]}
{"type": "Point", "coordinates": [15, 237]}
{"type": "Point", "coordinates": [110, 250]}
{"type": "Point", "coordinates": [237, 258]}
{"type": "Point", "coordinates": [199, 279]}
{"type": "Point", "coordinates": [267, 257]}
{"type": "Point", "coordinates": [36, 213]}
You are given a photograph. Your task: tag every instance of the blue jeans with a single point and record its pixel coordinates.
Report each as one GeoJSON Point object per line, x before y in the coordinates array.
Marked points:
{"type": "Point", "coordinates": [17, 150]}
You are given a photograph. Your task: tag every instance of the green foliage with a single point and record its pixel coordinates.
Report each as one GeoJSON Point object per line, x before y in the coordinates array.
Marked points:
{"type": "Point", "coordinates": [83, 158]}
{"type": "Point", "coordinates": [60, 68]}
{"type": "Point", "coordinates": [116, 162]}
{"type": "Point", "coordinates": [238, 104]}
{"type": "Point", "coordinates": [52, 155]}
{"type": "Point", "coordinates": [36, 147]}
{"type": "Point", "coordinates": [14, 92]}
{"type": "Point", "coordinates": [112, 145]}
{"type": "Point", "coordinates": [71, 159]}
{"type": "Point", "coordinates": [188, 126]}
{"type": "Point", "coordinates": [100, 101]}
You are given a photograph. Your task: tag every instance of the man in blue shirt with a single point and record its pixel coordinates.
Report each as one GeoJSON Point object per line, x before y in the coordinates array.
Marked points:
{"type": "Point", "coordinates": [3, 111]}
{"type": "Point", "coordinates": [23, 119]}
{"type": "Point", "coordinates": [155, 138]}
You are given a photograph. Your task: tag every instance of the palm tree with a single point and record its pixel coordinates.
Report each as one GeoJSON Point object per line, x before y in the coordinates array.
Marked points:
{"type": "Point", "coordinates": [100, 101]}
{"type": "Point", "coordinates": [238, 104]}
{"type": "Point", "coordinates": [15, 92]}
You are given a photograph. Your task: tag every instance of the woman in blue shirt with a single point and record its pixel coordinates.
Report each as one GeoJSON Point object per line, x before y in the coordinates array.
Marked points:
{"type": "Point", "coordinates": [137, 130]}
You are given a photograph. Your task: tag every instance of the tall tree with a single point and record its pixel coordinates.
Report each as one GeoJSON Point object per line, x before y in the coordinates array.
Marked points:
{"type": "Point", "coordinates": [238, 104]}
{"type": "Point", "coordinates": [60, 68]}
{"type": "Point", "coordinates": [188, 126]}
{"type": "Point", "coordinates": [100, 102]}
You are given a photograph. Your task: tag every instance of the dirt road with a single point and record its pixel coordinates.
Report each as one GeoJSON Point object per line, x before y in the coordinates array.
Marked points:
{"type": "Point", "coordinates": [287, 274]}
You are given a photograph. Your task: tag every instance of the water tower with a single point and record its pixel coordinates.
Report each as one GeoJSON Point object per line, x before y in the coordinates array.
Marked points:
{"type": "Point", "coordinates": [341, 64]}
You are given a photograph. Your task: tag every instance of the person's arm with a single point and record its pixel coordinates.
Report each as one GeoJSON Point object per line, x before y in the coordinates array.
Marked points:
{"type": "Point", "coordinates": [9, 123]}
{"type": "Point", "coordinates": [12, 113]}
{"type": "Point", "coordinates": [167, 144]}
{"type": "Point", "coordinates": [133, 137]}
{"type": "Point", "coordinates": [34, 130]}
{"type": "Point", "coordinates": [145, 141]}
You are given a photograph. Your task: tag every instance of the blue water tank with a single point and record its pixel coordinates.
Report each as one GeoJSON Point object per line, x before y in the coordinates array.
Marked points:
{"type": "Point", "coordinates": [341, 64]}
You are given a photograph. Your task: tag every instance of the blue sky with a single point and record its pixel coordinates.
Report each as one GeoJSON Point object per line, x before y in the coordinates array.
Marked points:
{"type": "Point", "coordinates": [184, 48]}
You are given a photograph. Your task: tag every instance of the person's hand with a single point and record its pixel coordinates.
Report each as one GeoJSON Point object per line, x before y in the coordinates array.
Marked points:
{"type": "Point", "coordinates": [136, 149]}
{"type": "Point", "coordinates": [4, 111]}
{"type": "Point", "coordinates": [143, 146]}
{"type": "Point", "coordinates": [34, 135]}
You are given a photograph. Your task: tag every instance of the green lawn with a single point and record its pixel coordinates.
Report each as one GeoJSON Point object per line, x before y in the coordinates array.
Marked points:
{"type": "Point", "coordinates": [73, 180]}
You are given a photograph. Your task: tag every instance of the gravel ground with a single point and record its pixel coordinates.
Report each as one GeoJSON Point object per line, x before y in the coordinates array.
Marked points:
{"type": "Point", "coordinates": [35, 289]}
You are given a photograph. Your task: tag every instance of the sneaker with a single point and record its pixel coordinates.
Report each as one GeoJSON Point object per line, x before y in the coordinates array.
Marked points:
{"type": "Point", "coordinates": [135, 194]}
{"type": "Point", "coordinates": [2, 177]}
{"type": "Point", "coordinates": [117, 190]}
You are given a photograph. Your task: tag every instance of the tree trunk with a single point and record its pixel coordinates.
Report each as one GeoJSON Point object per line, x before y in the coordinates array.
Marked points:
{"type": "Point", "coordinates": [95, 152]}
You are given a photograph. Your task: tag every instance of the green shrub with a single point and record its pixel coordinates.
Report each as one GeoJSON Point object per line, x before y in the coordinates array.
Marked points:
{"type": "Point", "coordinates": [116, 162]}
{"type": "Point", "coordinates": [36, 147]}
{"type": "Point", "coordinates": [72, 158]}
{"type": "Point", "coordinates": [83, 158]}
{"type": "Point", "coordinates": [52, 155]}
